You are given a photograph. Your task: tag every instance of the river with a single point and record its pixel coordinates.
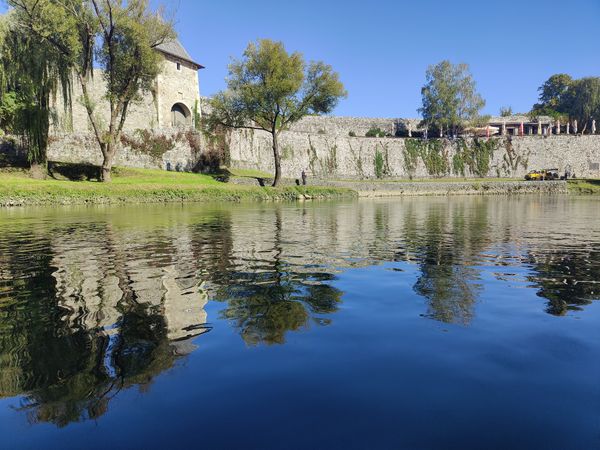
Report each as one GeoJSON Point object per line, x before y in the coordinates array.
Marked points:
{"type": "Point", "coordinates": [404, 323]}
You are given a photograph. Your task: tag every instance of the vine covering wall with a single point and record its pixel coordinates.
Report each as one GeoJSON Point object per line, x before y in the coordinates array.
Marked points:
{"type": "Point", "coordinates": [342, 157]}
{"type": "Point", "coordinates": [327, 156]}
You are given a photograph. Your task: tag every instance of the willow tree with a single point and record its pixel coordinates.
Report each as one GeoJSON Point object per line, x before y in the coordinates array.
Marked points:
{"type": "Point", "coordinates": [116, 36]}
{"type": "Point", "coordinates": [32, 72]}
{"type": "Point", "coordinates": [269, 89]}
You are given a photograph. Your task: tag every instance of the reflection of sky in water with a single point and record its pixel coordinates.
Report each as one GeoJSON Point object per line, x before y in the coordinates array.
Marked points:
{"type": "Point", "coordinates": [94, 302]}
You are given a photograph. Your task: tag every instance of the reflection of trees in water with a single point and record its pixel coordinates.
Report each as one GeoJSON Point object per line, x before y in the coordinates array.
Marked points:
{"type": "Point", "coordinates": [272, 304]}
{"type": "Point", "coordinates": [81, 322]}
{"type": "Point", "coordinates": [568, 279]}
{"type": "Point", "coordinates": [444, 247]}
{"type": "Point", "coordinates": [264, 306]}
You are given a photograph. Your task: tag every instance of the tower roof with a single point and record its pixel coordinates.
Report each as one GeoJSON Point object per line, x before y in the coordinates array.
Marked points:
{"type": "Point", "coordinates": [174, 48]}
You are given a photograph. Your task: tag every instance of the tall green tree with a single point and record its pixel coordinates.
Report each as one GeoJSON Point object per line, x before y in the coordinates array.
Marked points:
{"type": "Point", "coordinates": [115, 36]}
{"type": "Point", "coordinates": [582, 101]}
{"type": "Point", "coordinates": [269, 89]}
{"type": "Point", "coordinates": [450, 99]}
{"type": "Point", "coordinates": [32, 72]}
{"type": "Point", "coordinates": [561, 96]}
{"type": "Point", "coordinates": [552, 93]}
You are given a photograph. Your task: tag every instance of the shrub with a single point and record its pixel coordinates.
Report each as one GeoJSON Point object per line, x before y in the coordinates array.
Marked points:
{"type": "Point", "coordinates": [375, 132]}
{"type": "Point", "coordinates": [352, 134]}
{"type": "Point", "coordinates": [379, 164]}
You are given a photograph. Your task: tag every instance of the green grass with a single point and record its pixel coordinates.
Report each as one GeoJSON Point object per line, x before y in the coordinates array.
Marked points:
{"type": "Point", "coordinates": [589, 186]}
{"type": "Point", "coordinates": [252, 173]}
{"type": "Point", "coordinates": [145, 186]}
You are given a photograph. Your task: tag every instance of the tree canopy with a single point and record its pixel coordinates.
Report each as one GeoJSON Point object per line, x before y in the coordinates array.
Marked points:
{"type": "Point", "coordinates": [31, 72]}
{"type": "Point", "coordinates": [115, 36]}
{"type": "Point", "coordinates": [269, 89]}
{"type": "Point", "coordinates": [450, 99]}
{"type": "Point", "coordinates": [561, 96]}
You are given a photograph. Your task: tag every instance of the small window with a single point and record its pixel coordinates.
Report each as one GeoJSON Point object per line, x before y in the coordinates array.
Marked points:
{"type": "Point", "coordinates": [178, 66]}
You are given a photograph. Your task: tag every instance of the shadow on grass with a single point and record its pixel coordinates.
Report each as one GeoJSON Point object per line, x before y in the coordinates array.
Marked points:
{"type": "Point", "coordinates": [73, 172]}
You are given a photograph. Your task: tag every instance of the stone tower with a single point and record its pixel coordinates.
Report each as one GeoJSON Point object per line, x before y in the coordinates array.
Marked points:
{"type": "Point", "coordinates": [171, 103]}
{"type": "Point", "coordinates": [177, 89]}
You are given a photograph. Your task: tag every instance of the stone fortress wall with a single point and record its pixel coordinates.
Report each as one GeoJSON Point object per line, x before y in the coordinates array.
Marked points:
{"type": "Point", "coordinates": [322, 146]}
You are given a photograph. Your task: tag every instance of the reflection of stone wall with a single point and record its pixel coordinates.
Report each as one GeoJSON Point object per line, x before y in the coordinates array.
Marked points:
{"type": "Point", "coordinates": [91, 284]}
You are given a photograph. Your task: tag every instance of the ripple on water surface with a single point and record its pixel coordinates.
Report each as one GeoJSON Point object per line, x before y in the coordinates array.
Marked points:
{"type": "Point", "coordinates": [366, 322]}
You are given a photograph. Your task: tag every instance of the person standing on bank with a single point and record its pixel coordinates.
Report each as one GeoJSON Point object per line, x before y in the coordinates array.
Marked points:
{"type": "Point", "coordinates": [303, 175]}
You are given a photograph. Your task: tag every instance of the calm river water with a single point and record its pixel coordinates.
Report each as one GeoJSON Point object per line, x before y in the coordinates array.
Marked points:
{"type": "Point", "coordinates": [405, 323]}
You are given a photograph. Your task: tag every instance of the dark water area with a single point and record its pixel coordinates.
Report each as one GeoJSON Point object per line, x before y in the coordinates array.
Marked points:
{"type": "Point", "coordinates": [405, 323]}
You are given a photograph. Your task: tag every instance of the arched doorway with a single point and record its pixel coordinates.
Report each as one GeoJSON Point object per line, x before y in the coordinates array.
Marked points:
{"type": "Point", "coordinates": [181, 116]}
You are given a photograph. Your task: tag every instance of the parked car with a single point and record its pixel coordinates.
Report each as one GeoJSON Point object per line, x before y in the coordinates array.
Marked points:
{"type": "Point", "coordinates": [534, 175]}
{"type": "Point", "coordinates": [541, 175]}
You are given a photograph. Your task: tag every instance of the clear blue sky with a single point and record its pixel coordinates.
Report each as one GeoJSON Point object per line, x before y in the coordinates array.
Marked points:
{"type": "Point", "coordinates": [382, 48]}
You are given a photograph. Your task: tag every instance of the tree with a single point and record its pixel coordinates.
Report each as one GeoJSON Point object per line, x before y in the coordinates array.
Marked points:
{"type": "Point", "coordinates": [115, 36]}
{"type": "Point", "coordinates": [450, 99]}
{"type": "Point", "coordinates": [582, 101]}
{"type": "Point", "coordinates": [563, 97]}
{"type": "Point", "coordinates": [506, 111]}
{"type": "Point", "coordinates": [269, 89]}
{"type": "Point", "coordinates": [552, 94]}
{"type": "Point", "coordinates": [32, 72]}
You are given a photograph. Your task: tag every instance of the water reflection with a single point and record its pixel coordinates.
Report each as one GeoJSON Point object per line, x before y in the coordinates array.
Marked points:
{"type": "Point", "coordinates": [94, 301]}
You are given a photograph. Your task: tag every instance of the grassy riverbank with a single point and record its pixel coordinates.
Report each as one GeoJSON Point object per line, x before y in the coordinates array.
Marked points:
{"type": "Point", "coordinates": [145, 186]}
{"type": "Point", "coordinates": [582, 187]}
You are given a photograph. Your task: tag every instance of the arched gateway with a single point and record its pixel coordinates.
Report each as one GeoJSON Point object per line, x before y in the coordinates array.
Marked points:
{"type": "Point", "coordinates": [181, 116]}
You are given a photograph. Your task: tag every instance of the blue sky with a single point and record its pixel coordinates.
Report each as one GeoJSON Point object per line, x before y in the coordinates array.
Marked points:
{"type": "Point", "coordinates": [382, 48]}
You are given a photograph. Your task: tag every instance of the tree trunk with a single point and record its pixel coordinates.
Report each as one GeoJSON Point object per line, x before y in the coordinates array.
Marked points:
{"type": "Point", "coordinates": [38, 170]}
{"type": "Point", "coordinates": [277, 159]}
{"type": "Point", "coordinates": [108, 153]}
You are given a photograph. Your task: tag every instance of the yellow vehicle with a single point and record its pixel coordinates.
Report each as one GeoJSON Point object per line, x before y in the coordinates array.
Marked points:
{"type": "Point", "coordinates": [534, 175]}
{"type": "Point", "coordinates": [541, 175]}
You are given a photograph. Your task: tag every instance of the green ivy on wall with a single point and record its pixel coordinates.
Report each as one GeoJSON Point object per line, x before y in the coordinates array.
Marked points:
{"type": "Point", "coordinates": [379, 164]}
{"type": "Point", "coordinates": [411, 154]}
{"type": "Point", "coordinates": [149, 143]}
{"type": "Point", "coordinates": [432, 152]}
{"type": "Point", "coordinates": [474, 156]}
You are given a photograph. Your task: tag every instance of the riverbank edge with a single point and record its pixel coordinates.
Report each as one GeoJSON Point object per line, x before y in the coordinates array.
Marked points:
{"type": "Point", "coordinates": [326, 190]}
{"type": "Point", "coordinates": [436, 188]}
{"type": "Point", "coordinates": [148, 194]}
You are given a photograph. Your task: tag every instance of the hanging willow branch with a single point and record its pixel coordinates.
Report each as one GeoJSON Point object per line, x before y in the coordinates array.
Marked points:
{"type": "Point", "coordinates": [32, 74]}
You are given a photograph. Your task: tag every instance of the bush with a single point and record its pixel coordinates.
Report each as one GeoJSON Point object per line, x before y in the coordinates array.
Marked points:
{"type": "Point", "coordinates": [379, 164]}
{"type": "Point", "coordinates": [352, 134]}
{"type": "Point", "coordinates": [375, 132]}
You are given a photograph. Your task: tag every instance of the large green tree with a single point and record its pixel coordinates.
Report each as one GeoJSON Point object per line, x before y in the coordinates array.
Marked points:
{"type": "Point", "coordinates": [115, 36]}
{"type": "Point", "coordinates": [269, 89]}
{"type": "Point", "coordinates": [552, 95]}
{"type": "Point", "coordinates": [32, 72]}
{"type": "Point", "coordinates": [561, 96]}
{"type": "Point", "coordinates": [450, 98]}
{"type": "Point", "coordinates": [582, 101]}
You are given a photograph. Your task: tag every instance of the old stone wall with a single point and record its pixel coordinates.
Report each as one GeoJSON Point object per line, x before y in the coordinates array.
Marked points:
{"type": "Point", "coordinates": [329, 153]}
{"type": "Point", "coordinates": [151, 150]}
{"type": "Point", "coordinates": [339, 156]}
